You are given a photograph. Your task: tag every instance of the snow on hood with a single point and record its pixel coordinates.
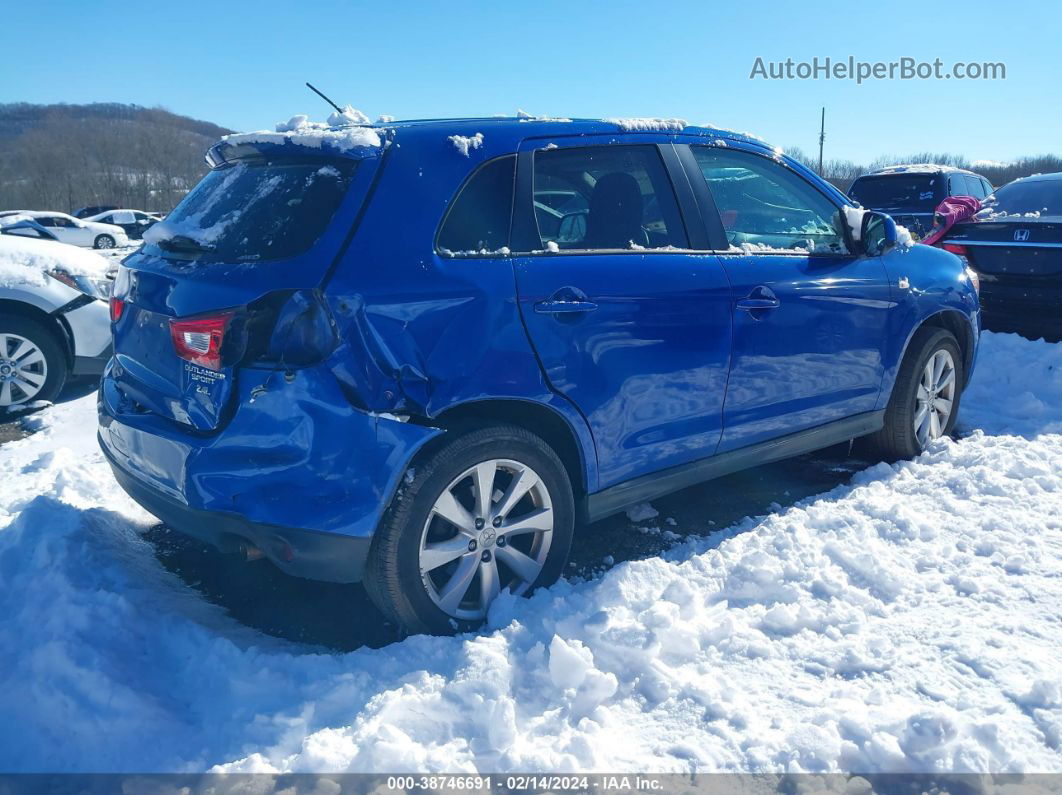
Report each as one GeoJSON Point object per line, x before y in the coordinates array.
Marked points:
{"type": "Point", "coordinates": [342, 131]}
{"type": "Point", "coordinates": [649, 125]}
{"type": "Point", "coordinates": [26, 261]}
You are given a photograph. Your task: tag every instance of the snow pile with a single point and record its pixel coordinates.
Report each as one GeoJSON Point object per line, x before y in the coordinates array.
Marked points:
{"type": "Point", "coordinates": [854, 217]}
{"type": "Point", "coordinates": [26, 261]}
{"type": "Point", "coordinates": [523, 115]}
{"type": "Point", "coordinates": [349, 115]}
{"type": "Point", "coordinates": [465, 143]}
{"type": "Point", "coordinates": [909, 621]}
{"type": "Point", "coordinates": [342, 131]}
{"type": "Point", "coordinates": [912, 168]}
{"type": "Point", "coordinates": [649, 125]}
{"type": "Point", "coordinates": [642, 512]}
{"type": "Point", "coordinates": [904, 238]}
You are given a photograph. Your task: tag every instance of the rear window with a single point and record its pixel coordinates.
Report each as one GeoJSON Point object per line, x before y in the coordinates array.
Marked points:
{"type": "Point", "coordinates": [256, 209]}
{"type": "Point", "coordinates": [478, 221]}
{"type": "Point", "coordinates": [1028, 199]}
{"type": "Point", "coordinates": [907, 191]}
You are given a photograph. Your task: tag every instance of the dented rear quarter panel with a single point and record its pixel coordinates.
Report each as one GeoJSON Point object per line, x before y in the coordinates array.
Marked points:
{"type": "Point", "coordinates": [424, 334]}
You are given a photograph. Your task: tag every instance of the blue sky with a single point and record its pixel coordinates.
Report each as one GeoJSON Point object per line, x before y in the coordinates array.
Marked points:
{"type": "Point", "coordinates": [243, 64]}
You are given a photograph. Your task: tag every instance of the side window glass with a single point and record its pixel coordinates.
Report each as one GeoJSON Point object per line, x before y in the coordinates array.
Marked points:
{"type": "Point", "coordinates": [46, 221]}
{"type": "Point", "coordinates": [122, 217]}
{"type": "Point", "coordinates": [479, 217]}
{"type": "Point", "coordinates": [765, 207]}
{"type": "Point", "coordinates": [605, 197]}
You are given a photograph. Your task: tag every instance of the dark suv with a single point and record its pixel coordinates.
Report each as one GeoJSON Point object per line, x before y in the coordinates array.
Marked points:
{"type": "Point", "coordinates": [911, 193]}
{"type": "Point", "coordinates": [416, 353]}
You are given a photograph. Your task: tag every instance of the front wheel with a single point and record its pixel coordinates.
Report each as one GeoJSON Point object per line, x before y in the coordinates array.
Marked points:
{"type": "Point", "coordinates": [925, 399]}
{"type": "Point", "coordinates": [104, 241]}
{"type": "Point", "coordinates": [490, 511]}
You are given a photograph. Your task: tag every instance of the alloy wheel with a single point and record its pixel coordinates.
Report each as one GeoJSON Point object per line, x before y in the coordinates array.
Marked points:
{"type": "Point", "coordinates": [23, 369]}
{"type": "Point", "coordinates": [489, 530]}
{"type": "Point", "coordinates": [935, 397]}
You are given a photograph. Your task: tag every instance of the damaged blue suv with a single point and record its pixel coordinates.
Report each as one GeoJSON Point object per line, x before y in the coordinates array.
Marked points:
{"type": "Point", "coordinates": [417, 354]}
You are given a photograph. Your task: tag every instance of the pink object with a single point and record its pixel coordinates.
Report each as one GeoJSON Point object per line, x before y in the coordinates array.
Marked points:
{"type": "Point", "coordinates": [948, 213]}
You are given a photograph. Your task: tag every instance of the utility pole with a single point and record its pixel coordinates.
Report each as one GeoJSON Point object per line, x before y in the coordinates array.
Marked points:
{"type": "Point", "coordinates": [822, 138]}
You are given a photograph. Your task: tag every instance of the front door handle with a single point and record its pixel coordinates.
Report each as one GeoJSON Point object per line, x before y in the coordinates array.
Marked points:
{"type": "Point", "coordinates": [566, 301]}
{"type": "Point", "coordinates": [760, 301]}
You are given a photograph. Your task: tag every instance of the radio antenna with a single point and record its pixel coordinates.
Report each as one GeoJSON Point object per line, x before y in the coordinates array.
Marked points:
{"type": "Point", "coordinates": [315, 90]}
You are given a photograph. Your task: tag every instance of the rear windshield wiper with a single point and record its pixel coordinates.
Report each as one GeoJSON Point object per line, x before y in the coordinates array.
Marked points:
{"type": "Point", "coordinates": [183, 243]}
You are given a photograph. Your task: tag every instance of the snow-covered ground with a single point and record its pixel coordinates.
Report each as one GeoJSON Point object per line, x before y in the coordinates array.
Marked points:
{"type": "Point", "coordinates": [908, 621]}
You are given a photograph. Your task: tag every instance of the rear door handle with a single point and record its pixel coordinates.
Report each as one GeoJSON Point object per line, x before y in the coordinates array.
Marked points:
{"type": "Point", "coordinates": [753, 304]}
{"type": "Point", "coordinates": [566, 301]}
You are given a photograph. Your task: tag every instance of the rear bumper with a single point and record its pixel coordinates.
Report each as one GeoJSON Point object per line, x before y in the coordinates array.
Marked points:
{"type": "Point", "coordinates": [301, 553]}
{"type": "Point", "coordinates": [297, 472]}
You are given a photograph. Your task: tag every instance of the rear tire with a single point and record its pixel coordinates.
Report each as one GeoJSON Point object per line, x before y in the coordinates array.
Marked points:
{"type": "Point", "coordinates": [441, 554]}
{"type": "Point", "coordinates": [924, 405]}
{"type": "Point", "coordinates": [103, 241]}
{"type": "Point", "coordinates": [33, 365]}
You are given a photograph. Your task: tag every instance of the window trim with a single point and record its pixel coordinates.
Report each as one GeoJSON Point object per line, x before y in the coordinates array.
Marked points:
{"type": "Point", "coordinates": [525, 222]}
{"type": "Point", "coordinates": [717, 220]}
{"type": "Point", "coordinates": [497, 254]}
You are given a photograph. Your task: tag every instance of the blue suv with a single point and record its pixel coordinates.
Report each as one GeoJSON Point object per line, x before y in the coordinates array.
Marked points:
{"type": "Point", "coordinates": [416, 354]}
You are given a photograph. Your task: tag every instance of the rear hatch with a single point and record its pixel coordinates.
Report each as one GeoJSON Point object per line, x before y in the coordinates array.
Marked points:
{"type": "Point", "coordinates": [243, 253]}
{"type": "Point", "coordinates": [910, 198]}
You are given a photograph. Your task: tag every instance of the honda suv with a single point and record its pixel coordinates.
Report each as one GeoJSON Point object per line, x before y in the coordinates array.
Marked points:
{"type": "Point", "coordinates": [417, 354]}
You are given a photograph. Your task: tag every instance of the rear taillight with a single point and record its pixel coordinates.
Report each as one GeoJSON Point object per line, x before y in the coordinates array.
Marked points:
{"type": "Point", "coordinates": [117, 307]}
{"type": "Point", "coordinates": [955, 248]}
{"type": "Point", "coordinates": [199, 339]}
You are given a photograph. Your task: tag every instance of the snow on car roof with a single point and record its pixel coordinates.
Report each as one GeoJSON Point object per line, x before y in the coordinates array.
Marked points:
{"type": "Point", "coordinates": [347, 131]}
{"type": "Point", "coordinates": [25, 261]}
{"type": "Point", "coordinates": [917, 168]}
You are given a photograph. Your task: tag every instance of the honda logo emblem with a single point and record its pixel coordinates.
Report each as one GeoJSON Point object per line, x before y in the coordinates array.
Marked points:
{"type": "Point", "coordinates": [1021, 235]}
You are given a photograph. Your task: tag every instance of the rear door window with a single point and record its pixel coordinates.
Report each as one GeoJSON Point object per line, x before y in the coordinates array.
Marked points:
{"type": "Point", "coordinates": [479, 218]}
{"type": "Point", "coordinates": [605, 198]}
{"type": "Point", "coordinates": [256, 209]}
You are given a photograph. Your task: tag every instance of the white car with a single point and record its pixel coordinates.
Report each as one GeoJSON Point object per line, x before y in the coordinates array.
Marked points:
{"type": "Point", "coordinates": [68, 229]}
{"type": "Point", "coordinates": [54, 318]}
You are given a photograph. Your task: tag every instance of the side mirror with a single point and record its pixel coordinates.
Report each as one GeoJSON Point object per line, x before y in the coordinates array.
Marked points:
{"type": "Point", "coordinates": [878, 234]}
{"type": "Point", "coordinates": [572, 228]}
